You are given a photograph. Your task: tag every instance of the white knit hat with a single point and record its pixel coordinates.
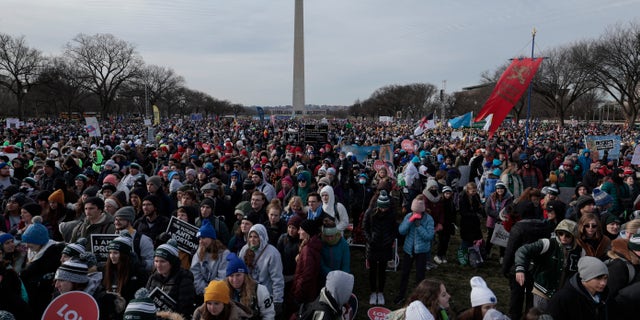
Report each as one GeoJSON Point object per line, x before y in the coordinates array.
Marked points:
{"type": "Point", "coordinates": [480, 293]}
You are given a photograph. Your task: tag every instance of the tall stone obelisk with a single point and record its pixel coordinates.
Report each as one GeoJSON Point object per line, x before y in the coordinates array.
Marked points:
{"type": "Point", "coordinates": [298, 60]}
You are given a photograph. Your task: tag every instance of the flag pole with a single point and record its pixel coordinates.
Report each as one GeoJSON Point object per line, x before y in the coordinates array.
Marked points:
{"type": "Point", "coordinates": [526, 139]}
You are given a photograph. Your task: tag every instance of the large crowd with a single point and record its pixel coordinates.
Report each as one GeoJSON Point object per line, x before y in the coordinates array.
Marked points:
{"type": "Point", "coordinates": [276, 218]}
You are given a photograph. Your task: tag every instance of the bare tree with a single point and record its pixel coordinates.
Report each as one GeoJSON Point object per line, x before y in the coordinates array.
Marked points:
{"type": "Point", "coordinates": [105, 63]}
{"type": "Point", "coordinates": [616, 65]}
{"type": "Point", "coordinates": [561, 80]}
{"type": "Point", "coordinates": [18, 66]}
{"type": "Point", "coordinates": [160, 84]}
{"type": "Point", "coordinates": [59, 83]}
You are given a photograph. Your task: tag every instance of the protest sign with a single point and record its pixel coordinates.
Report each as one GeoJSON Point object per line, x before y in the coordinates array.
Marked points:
{"type": "Point", "coordinates": [99, 246]}
{"type": "Point", "coordinates": [185, 235]}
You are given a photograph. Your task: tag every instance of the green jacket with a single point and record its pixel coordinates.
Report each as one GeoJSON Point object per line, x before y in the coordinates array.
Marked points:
{"type": "Point", "coordinates": [554, 265]}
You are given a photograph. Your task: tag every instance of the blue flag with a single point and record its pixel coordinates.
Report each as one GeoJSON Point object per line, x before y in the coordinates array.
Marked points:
{"type": "Point", "coordinates": [260, 113]}
{"type": "Point", "coordinates": [461, 121]}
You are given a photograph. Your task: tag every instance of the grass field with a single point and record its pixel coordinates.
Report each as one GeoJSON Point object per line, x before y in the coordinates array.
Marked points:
{"type": "Point", "coordinates": [455, 277]}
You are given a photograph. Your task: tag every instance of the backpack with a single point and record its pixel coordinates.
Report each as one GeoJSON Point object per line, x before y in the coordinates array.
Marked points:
{"type": "Point", "coordinates": [308, 310]}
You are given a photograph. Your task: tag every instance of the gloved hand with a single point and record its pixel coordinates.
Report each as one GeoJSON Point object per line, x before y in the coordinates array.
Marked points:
{"type": "Point", "coordinates": [415, 216]}
{"type": "Point", "coordinates": [277, 306]}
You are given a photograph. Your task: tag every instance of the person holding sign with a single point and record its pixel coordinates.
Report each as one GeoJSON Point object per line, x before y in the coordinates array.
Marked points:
{"type": "Point", "coordinates": [210, 261]}
{"type": "Point", "coordinates": [218, 304]}
{"type": "Point", "coordinates": [173, 281]}
{"type": "Point", "coordinates": [123, 273]}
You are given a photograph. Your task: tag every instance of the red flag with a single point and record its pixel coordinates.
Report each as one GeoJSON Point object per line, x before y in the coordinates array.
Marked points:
{"type": "Point", "coordinates": [512, 84]}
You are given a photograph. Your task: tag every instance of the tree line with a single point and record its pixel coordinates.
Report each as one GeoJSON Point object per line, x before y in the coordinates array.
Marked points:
{"type": "Point", "coordinates": [574, 81]}
{"type": "Point", "coordinates": [99, 73]}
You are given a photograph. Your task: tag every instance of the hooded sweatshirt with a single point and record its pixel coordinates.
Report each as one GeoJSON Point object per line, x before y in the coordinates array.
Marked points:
{"type": "Point", "coordinates": [338, 289]}
{"type": "Point", "coordinates": [335, 209]}
{"type": "Point", "coordinates": [267, 268]}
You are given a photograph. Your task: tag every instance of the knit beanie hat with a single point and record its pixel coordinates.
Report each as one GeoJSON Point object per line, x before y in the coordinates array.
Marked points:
{"type": "Point", "coordinates": [141, 307]}
{"type": "Point", "coordinates": [235, 264]}
{"type": "Point", "coordinates": [140, 192]}
{"type": "Point", "coordinates": [57, 196]}
{"type": "Point", "coordinates": [91, 191]}
{"type": "Point", "coordinates": [4, 237]}
{"type": "Point", "coordinates": [33, 208]}
{"type": "Point", "coordinates": [480, 293]}
{"type": "Point", "coordinates": [154, 200]}
{"type": "Point", "coordinates": [383, 200]}
{"type": "Point", "coordinates": [295, 221]}
{"type": "Point", "coordinates": [75, 249]}
{"type": "Point", "coordinates": [417, 205]}
{"type": "Point", "coordinates": [168, 251]}
{"type": "Point", "coordinates": [217, 291]}
{"type": "Point", "coordinates": [432, 183]}
{"type": "Point", "coordinates": [6, 315]}
{"type": "Point", "coordinates": [74, 271]}
{"type": "Point", "coordinates": [110, 179]}
{"type": "Point", "coordinates": [36, 233]}
{"type": "Point", "coordinates": [112, 202]}
{"type": "Point", "coordinates": [591, 267]}
{"type": "Point", "coordinates": [19, 198]}
{"type": "Point", "coordinates": [126, 213]}
{"type": "Point", "coordinates": [156, 181]}
{"type": "Point", "coordinates": [206, 230]}
{"type": "Point", "coordinates": [601, 198]}
{"type": "Point", "coordinates": [208, 202]}
{"type": "Point", "coordinates": [634, 242]}
{"type": "Point", "coordinates": [583, 201]}
{"type": "Point", "coordinates": [123, 243]}
{"type": "Point", "coordinates": [31, 181]}
{"type": "Point", "coordinates": [447, 189]}
{"type": "Point", "coordinates": [310, 227]}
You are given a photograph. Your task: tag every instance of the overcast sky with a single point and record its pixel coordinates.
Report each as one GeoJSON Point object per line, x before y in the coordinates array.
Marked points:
{"type": "Point", "coordinates": [242, 50]}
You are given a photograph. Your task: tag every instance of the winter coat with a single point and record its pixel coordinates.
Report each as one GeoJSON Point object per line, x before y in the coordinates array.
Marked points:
{"type": "Point", "coordinates": [261, 304]}
{"type": "Point", "coordinates": [381, 231]}
{"type": "Point", "coordinates": [523, 232]}
{"type": "Point", "coordinates": [599, 250]}
{"type": "Point", "coordinates": [554, 264]}
{"type": "Point", "coordinates": [470, 209]}
{"type": "Point", "coordinates": [621, 257]}
{"type": "Point", "coordinates": [433, 205]}
{"type": "Point", "coordinates": [152, 231]}
{"type": "Point", "coordinates": [417, 237]}
{"type": "Point", "coordinates": [179, 285]}
{"type": "Point", "coordinates": [335, 255]}
{"type": "Point", "coordinates": [306, 282]}
{"type": "Point", "coordinates": [288, 248]}
{"type": "Point", "coordinates": [493, 205]}
{"type": "Point", "coordinates": [573, 301]}
{"type": "Point", "coordinates": [208, 270]}
{"type": "Point", "coordinates": [238, 312]}
{"type": "Point", "coordinates": [86, 229]}
{"type": "Point", "coordinates": [267, 269]}
{"type": "Point", "coordinates": [37, 276]}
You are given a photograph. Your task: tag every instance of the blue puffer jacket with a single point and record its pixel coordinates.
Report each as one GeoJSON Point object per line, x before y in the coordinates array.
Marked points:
{"type": "Point", "coordinates": [418, 238]}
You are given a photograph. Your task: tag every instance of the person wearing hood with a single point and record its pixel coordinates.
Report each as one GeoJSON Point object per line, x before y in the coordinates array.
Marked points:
{"type": "Point", "coordinates": [586, 294]}
{"type": "Point", "coordinates": [334, 209]}
{"type": "Point", "coordinates": [618, 190]}
{"type": "Point", "coordinates": [333, 296]}
{"type": "Point", "coordinates": [262, 185]}
{"type": "Point", "coordinates": [43, 259]}
{"type": "Point", "coordinates": [210, 260]}
{"type": "Point", "coordinates": [264, 263]}
{"type": "Point", "coordinates": [555, 259]}
{"type": "Point", "coordinates": [303, 186]}
{"type": "Point", "coordinates": [494, 203]}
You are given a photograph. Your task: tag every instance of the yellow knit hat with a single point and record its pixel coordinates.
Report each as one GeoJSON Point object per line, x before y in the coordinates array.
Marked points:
{"type": "Point", "coordinates": [217, 291]}
{"type": "Point", "coordinates": [57, 196]}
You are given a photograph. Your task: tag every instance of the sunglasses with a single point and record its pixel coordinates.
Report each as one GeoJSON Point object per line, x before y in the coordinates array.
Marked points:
{"type": "Point", "coordinates": [321, 184]}
{"type": "Point", "coordinates": [561, 233]}
{"type": "Point", "coordinates": [591, 226]}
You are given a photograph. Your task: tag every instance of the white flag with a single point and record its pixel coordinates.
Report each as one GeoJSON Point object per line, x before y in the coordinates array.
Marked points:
{"type": "Point", "coordinates": [488, 124]}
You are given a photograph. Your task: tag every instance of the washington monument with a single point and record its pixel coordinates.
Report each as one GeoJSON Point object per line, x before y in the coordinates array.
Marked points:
{"type": "Point", "coordinates": [298, 60]}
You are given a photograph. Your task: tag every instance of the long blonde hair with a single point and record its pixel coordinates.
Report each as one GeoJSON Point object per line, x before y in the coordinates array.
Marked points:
{"type": "Point", "coordinates": [247, 290]}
